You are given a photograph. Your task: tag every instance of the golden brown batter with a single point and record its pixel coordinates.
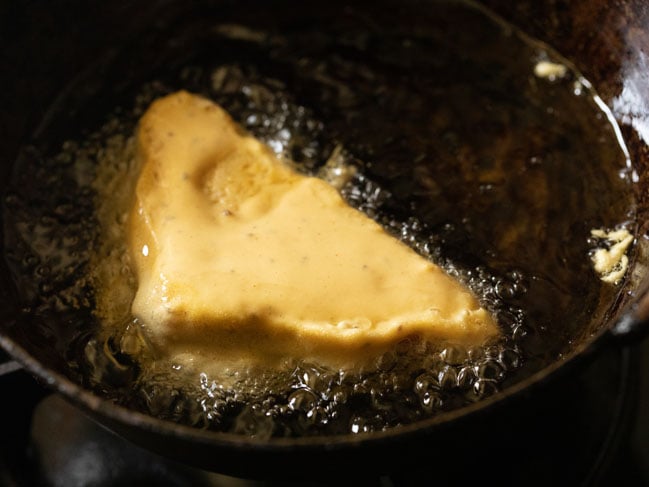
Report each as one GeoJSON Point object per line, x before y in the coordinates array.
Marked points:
{"type": "Point", "coordinates": [239, 256]}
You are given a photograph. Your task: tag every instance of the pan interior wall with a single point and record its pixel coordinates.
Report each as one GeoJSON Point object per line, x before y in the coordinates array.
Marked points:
{"type": "Point", "coordinates": [465, 149]}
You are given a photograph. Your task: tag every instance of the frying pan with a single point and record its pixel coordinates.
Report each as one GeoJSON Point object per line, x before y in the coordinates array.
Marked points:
{"type": "Point", "coordinates": [45, 46]}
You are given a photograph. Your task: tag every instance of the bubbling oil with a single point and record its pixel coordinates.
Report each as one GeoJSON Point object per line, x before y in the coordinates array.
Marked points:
{"type": "Point", "coordinates": [458, 149]}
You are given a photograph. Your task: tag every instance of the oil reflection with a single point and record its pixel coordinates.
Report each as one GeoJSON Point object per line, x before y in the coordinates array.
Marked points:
{"type": "Point", "coordinates": [631, 106]}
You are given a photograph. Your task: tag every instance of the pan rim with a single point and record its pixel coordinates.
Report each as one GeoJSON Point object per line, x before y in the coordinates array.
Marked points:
{"type": "Point", "coordinates": [93, 403]}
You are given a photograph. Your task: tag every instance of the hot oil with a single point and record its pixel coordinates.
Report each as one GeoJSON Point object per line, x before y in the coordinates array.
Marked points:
{"type": "Point", "coordinates": [457, 147]}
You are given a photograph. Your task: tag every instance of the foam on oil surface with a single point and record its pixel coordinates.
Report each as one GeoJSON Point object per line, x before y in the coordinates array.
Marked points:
{"type": "Point", "coordinates": [413, 381]}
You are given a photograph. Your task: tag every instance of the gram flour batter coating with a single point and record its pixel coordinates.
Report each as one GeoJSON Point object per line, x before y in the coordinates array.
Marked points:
{"type": "Point", "coordinates": [239, 257]}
